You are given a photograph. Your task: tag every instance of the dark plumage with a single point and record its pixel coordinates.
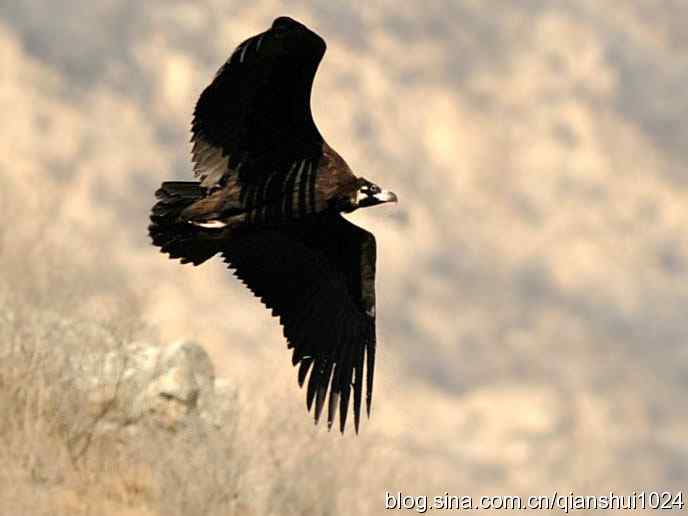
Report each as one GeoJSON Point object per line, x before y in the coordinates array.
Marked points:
{"type": "Point", "coordinates": [268, 200]}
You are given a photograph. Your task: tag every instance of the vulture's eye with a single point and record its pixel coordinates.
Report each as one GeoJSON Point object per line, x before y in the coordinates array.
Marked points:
{"type": "Point", "coordinates": [373, 189]}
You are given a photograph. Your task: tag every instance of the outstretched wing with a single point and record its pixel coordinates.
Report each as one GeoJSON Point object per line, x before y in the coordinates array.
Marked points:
{"type": "Point", "coordinates": [255, 117]}
{"type": "Point", "coordinates": [319, 278]}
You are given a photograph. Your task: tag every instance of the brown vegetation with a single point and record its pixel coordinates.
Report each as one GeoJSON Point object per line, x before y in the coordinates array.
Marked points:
{"type": "Point", "coordinates": [55, 312]}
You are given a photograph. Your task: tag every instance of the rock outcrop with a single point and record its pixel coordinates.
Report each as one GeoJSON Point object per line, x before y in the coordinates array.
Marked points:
{"type": "Point", "coordinates": [166, 385]}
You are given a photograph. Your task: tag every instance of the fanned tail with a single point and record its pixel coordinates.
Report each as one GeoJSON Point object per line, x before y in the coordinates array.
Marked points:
{"type": "Point", "coordinates": [175, 236]}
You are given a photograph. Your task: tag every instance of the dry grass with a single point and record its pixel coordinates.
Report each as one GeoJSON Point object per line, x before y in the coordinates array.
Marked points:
{"type": "Point", "coordinates": [57, 305]}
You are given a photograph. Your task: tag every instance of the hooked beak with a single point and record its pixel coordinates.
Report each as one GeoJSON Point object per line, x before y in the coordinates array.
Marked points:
{"type": "Point", "coordinates": [386, 196]}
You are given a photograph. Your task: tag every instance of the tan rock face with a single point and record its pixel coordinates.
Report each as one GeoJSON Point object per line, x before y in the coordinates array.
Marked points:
{"type": "Point", "coordinates": [165, 384]}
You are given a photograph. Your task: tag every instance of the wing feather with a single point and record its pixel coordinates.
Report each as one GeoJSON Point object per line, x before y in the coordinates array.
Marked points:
{"type": "Point", "coordinates": [255, 117]}
{"type": "Point", "coordinates": [318, 277]}
{"type": "Point", "coordinates": [357, 385]}
{"type": "Point", "coordinates": [345, 386]}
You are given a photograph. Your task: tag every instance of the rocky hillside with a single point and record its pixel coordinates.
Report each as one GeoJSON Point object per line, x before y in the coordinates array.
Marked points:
{"type": "Point", "coordinates": [532, 280]}
{"type": "Point", "coordinates": [98, 418]}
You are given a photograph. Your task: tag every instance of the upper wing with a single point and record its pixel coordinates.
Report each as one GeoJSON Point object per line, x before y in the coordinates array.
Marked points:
{"type": "Point", "coordinates": [255, 117]}
{"type": "Point", "coordinates": [319, 278]}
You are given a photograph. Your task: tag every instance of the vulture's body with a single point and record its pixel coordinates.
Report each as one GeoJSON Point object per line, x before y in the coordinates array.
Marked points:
{"type": "Point", "coordinates": [268, 200]}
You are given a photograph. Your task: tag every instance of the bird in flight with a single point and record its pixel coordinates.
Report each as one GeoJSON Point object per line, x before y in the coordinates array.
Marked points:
{"type": "Point", "coordinates": [269, 199]}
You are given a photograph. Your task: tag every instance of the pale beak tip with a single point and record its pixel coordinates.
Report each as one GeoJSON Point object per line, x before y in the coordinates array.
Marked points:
{"type": "Point", "coordinates": [387, 196]}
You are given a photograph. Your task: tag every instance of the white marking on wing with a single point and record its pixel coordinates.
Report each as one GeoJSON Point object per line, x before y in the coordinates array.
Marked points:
{"type": "Point", "coordinates": [267, 186]}
{"type": "Point", "coordinates": [237, 52]}
{"type": "Point", "coordinates": [243, 52]}
{"type": "Point", "coordinates": [264, 196]}
{"type": "Point", "coordinates": [295, 191]}
{"type": "Point", "coordinates": [284, 188]}
{"type": "Point", "coordinates": [209, 224]}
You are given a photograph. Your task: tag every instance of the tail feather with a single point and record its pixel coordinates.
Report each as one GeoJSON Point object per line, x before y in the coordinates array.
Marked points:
{"type": "Point", "coordinates": [174, 236]}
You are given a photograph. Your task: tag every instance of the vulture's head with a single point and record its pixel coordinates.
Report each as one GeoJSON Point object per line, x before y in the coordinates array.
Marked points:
{"type": "Point", "coordinates": [369, 194]}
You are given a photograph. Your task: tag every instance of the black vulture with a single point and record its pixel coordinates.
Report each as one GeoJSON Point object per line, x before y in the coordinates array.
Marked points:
{"type": "Point", "coordinates": [268, 199]}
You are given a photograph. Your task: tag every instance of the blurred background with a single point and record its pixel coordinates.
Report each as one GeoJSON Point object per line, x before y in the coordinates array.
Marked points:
{"type": "Point", "coordinates": [532, 282]}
